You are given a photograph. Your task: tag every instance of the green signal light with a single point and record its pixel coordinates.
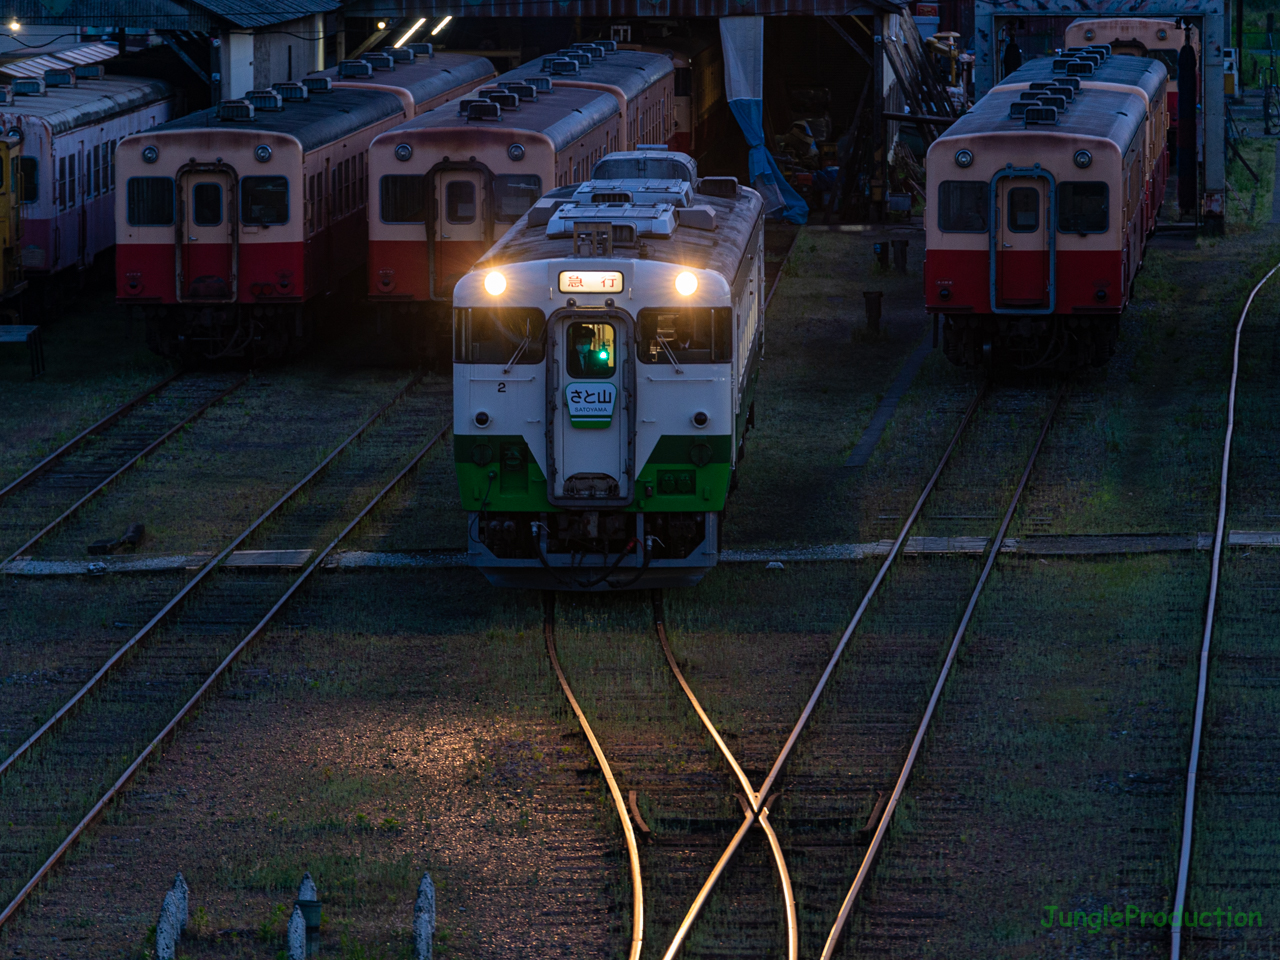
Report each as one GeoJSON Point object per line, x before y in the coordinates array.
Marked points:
{"type": "Point", "coordinates": [604, 354]}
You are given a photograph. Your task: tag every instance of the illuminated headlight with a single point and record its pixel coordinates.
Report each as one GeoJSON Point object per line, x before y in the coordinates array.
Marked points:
{"type": "Point", "coordinates": [494, 283]}
{"type": "Point", "coordinates": [686, 283]}
{"type": "Point", "coordinates": [964, 158]}
{"type": "Point", "coordinates": [150, 154]}
{"type": "Point", "coordinates": [1083, 158]}
{"type": "Point", "coordinates": [262, 153]}
{"type": "Point", "coordinates": [403, 152]}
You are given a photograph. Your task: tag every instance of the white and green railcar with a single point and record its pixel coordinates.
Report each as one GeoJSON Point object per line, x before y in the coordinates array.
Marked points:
{"type": "Point", "coordinates": [606, 352]}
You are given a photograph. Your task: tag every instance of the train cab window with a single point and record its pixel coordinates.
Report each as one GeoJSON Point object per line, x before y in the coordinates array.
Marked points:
{"type": "Point", "coordinates": [150, 201]}
{"type": "Point", "coordinates": [591, 352]}
{"type": "Point", "coordinates": [206, 204]}
{"type": "Point", "coordinates": [685, 334]}
{"type": "Point", "coordinates": [460, 201]}
{"type": "Point", "coordinates": [27, 168]}
{"type": "Point", "coordinates": [962, 206]}
{"type": "Point", "coordinates": [1170, 60]}
{"type": "Point", "coordinates": [264, 201]}
{"type": "Point", "coordinates": [402, 198]}
{"type": "Point", "coordinates": [1082, 207]}
{"type": "Point", "coordinates": [514, 194]}
{"type": "Point", "coordinates": [1024, 209]}
{"type": "Point", "coordinates": [503, 335]}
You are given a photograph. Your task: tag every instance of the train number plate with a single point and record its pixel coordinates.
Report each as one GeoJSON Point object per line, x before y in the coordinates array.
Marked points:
{"type": "Point", "coordinates": [591, 281]}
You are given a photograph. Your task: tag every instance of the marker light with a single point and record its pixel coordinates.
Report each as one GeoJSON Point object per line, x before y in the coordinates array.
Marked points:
{"type": "Point", "coordinates": [686, 283]}
{"type": "Point", "coordinates": [441, 25]}
{"type": "Point", "coordinates": [409, 33]}
{"type": "Point", "coordinates": [604, 354]}
{"type": "Point", "coordinates": [494, 283]}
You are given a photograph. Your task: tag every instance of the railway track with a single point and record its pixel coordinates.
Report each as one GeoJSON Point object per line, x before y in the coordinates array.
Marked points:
{"type": "Point", "coordinates": [53, 490]}
{"type": "Point", "coordinates": [793, 884]}
{"type": "Point", "coordinates": [71, 767]}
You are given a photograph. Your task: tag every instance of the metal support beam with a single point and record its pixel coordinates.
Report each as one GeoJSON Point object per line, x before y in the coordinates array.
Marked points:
{"type": "Point", "coordinates": [191, 64]}
{"type": "Point", "coordinates": [375, 38]}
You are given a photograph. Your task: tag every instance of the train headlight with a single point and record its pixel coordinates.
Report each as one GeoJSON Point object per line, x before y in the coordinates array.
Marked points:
{"type": "Point", "coordinates": [964, 158]}
{"type": "Point", "coordinates": [1083, 158]}
{"type": "Point", "coordinates": [686, 283]}
{"type": "Point", "coordinates": [403, 152]}
{"type": "Point", "coordinates": [262, 153]}
{"type": "Point", "coordinates": [516, 152]}
{"type": "Point", "coordinates": [494, 283]}
{"type": "Point", "coordinates": [481, 419]}
{"type": "Point", "coordinates": [700, 419]}
{"type": "Point", "coordinates": [150, 154]}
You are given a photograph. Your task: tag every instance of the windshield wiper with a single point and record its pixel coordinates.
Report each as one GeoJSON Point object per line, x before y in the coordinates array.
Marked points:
{"type": "Point", "coordinates": [670, 356]}
{"type": "Point", "coordinates": [524, 345]}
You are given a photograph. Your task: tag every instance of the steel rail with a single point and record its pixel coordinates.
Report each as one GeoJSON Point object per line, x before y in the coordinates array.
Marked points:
{"type": "Point", "coordinates": [718, 870]}
{"type": "Point", "coordinates": [754, 799]}
{"type": "Point", "coordinates": [1193, 766]}
{"type": "Point", "coordinates": [153, 445]}
{"type": "Point", "coordinates": [194, 581]}
{"type": "Point", "coordinates": [633, 850]}
{"type": "Point", "coordinates": [864, 870]}
{"type": "Point", "coordinates": [102, 424]}
{"type": "Point", "coordinates": [206, 686]}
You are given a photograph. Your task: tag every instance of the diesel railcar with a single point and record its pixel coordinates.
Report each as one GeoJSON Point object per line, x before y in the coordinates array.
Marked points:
{"type": "Point", "coordinates": [1035, 224]}
{"type": "Point", "coordinates": [605, 358]}
{"type": "Point", "coordinates": [451, 182]}
{"type": "Point", "coordinates": [70, 123]}
{"type": "Point", "coordinates": [12, 282]}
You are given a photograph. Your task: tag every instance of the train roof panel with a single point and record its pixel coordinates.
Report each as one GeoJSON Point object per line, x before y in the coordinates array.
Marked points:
{"type": "Point", "coordinates": [92, 101]}
{"type": "Point", "coordinates": [1147, 73]}
{"type": "Point", "coordinates": [566, 114]}
{"type": "Point", "coordinates": [720, 249]}
{"type": "Point", "coordinates": [1109, 114]}
{"type": "Point", "coordinates": [322, 119]}
{"type": "Point", "coordinates": [631, 71]}
{"type": "Point", "coordinates": [425, 79]}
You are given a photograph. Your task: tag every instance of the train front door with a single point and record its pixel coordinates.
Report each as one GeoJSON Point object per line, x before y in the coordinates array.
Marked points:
{"type": "Point", "coordinates": [208, 268]}
{"type": "Point", "coordinates": [589, 408]}
{"type": "Point", "coordinates": [460, 228]}
{"type": "Point", "coordinates": [1022, 244]}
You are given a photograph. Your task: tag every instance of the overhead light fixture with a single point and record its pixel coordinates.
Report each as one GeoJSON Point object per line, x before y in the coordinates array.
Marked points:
{"type": "Point", "coordinates": [410, 32]}
{"type": "Point", "coordinates": [382, 24]}
{"type": "Point", "coordinates": [441, 25]}
{"type": "Point", "coordinates": [15, 26]}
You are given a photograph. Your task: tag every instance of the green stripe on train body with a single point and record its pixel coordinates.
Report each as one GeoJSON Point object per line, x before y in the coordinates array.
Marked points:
{"type": "Point", "coordinates": [687, 475]}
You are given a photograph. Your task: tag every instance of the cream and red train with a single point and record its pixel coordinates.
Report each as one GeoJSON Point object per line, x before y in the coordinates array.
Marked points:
{"type": "Point", "coordinates": [448, 184]}
{"type": "Point", "coordinates": [1040, 201]}
{"type": "Point", "coordinates": [605, 358]}
{"type": "Point", "coordinates": [233, 223]}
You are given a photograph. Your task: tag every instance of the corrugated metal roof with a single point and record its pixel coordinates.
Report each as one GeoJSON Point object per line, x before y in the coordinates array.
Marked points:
{"type": "Point", "coordinates": [264, 13]}
{"type": "Point", "coordinates": [425, 79]}
{"type": "Point", "coordinates": [618, 8]}
{"type": "Point", "coordinates": [1148, 74]}
{"type": "Point", "coordinates": [64, 108]}
{"type": "Point", "coordinates": [1111, 115]}
{"type": "Point", "coordinates": [168, 14]}
{"type": "Point", "coordinates": [324, 119]}
{"type": "Point", "coordinates": [65, 59]}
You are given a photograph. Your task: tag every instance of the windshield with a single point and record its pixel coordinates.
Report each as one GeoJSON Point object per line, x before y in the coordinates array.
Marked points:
{"type": "Point", "coordinates": [495, 334]}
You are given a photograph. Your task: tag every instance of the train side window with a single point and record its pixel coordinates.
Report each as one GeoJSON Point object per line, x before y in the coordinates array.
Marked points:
{"type": "Point", "coordinates": [206, 204]}
{"type": "Point", "coordinates": [1024, 209]}
{"type": "Point", "coordinates": [514, 194]}
{"type": "Point", "coordinates": [496, 334]}
{"type": "Point", "coordinates": [28, 168]}
{"type": "Point", "coordinates": [150, 201]}
{"type": "Point", "coordinates": [96, 185]}
{"type": "Point", "coordinates": [402, 198]}
{"type": "Point", "coordinates": [264, 201]}
{"type": "Point", "coordinates": [111, 166]}
{"type": "Point", "coordinates": [1082, 207]}
{"type": "Point", "coordinates": [591, 351]}
{"type": "Point", "coordinates": [71, 180]}
{"type": "Point", "coordinates": [460, 201]}
{"type": "Point", "coordinates": [62, 183]}
{"type": "Point", "coordinates": [962, 206]}
{"type": "Point", "coordinates": [691, 334]}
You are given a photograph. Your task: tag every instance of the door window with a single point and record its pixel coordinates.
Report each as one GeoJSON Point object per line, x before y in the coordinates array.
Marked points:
{"type": "Point", "coordinates": [591, 353]}
{"type": "Point", "coordinates": [1024, 209]}
{"type": "Point", "coordinates": [460, 201]}
{"type": "Point", "coordinates": [206, 204]}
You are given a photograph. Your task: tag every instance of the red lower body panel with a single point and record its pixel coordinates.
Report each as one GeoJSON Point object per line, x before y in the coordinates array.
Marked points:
{"type": "Point", "coordinates": [965, 276]}
{"type": "Point", "coordinates": [398, 270]}
{"type": "Point", "coordinates": [453, 259]}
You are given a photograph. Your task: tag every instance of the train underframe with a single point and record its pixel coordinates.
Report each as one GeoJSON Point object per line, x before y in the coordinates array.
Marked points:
{"type": "Point", "coordinates": [1061, 342]}
{"type": "Point", "coordinates": [203, 332]}
{"type": "Point", "coordinates": [598, 550]}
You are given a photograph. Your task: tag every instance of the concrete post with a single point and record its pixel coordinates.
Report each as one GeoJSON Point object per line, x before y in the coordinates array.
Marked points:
{"type": "Point", "coordinates": [424, 919]}
{"type": "Point", "coordinates": [168, 928]}
{"type": "Point", "coordinates": [1214, 143]}
{"type": "Point", "coordinates": [182, 900]}
{"type": "Point", "coordinates": [297, 935]}
{"type": "Point", "coordinates": [237, 65]}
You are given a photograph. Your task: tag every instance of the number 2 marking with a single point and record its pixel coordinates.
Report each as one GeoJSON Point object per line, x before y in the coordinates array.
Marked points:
{"type": "Point", "coordinates": [502, 388]}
